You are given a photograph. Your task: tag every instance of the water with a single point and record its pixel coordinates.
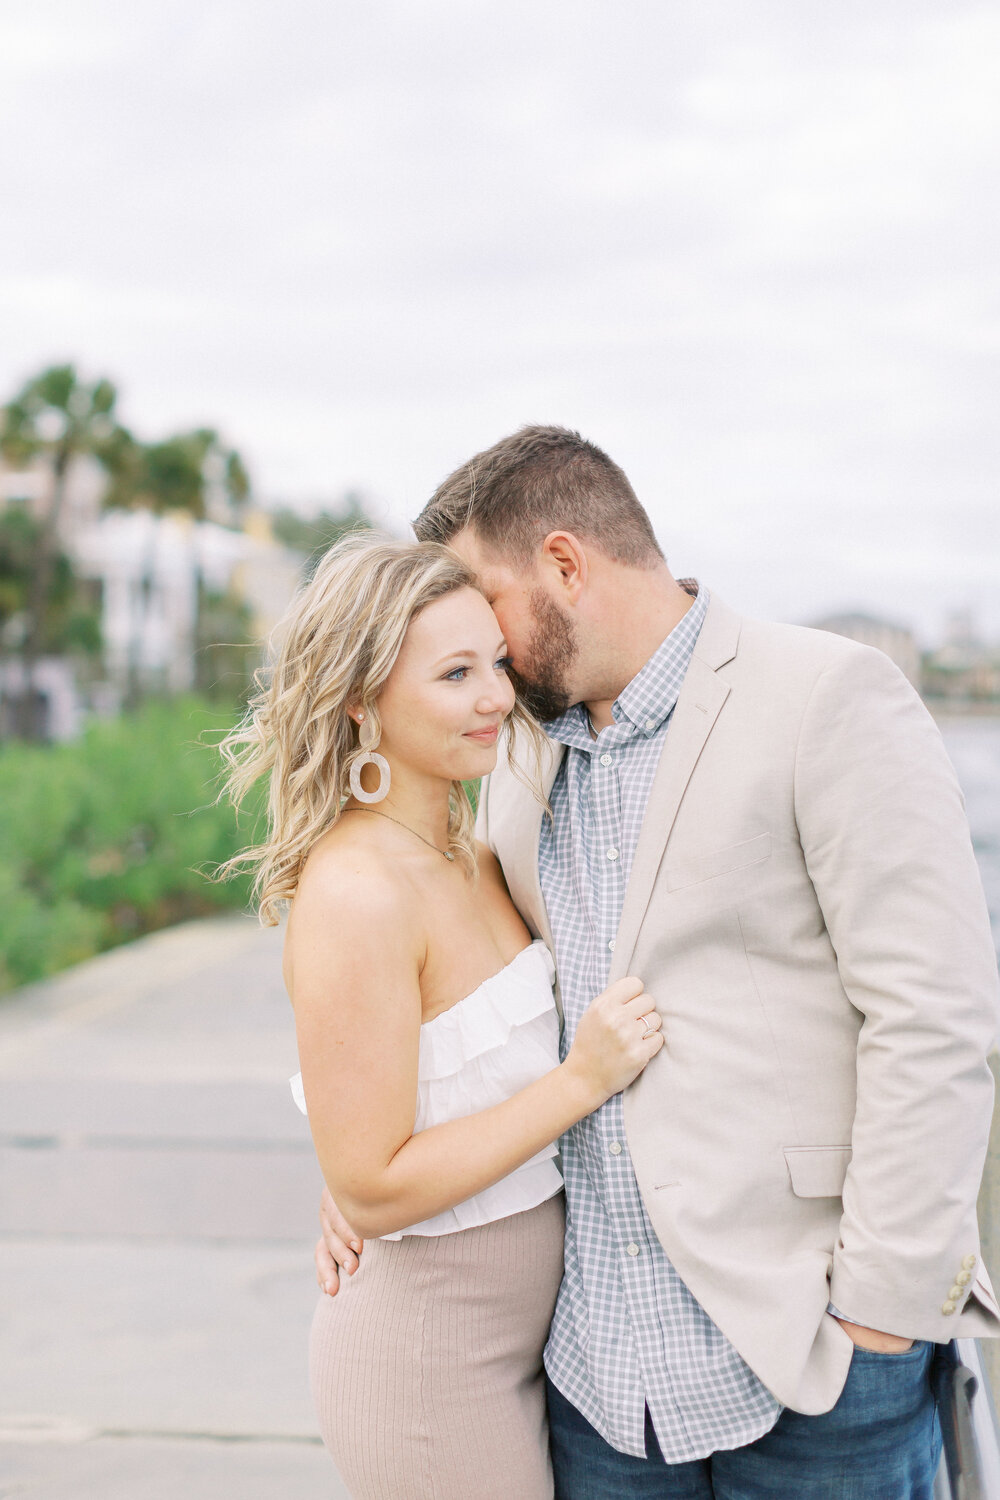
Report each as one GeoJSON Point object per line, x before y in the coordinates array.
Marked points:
{"type": "Point", "coordinates": [974, 747]}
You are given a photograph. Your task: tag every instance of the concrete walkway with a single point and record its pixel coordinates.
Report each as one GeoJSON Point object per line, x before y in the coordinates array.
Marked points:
{"type": "Point", "coordinates": [158, 1197]}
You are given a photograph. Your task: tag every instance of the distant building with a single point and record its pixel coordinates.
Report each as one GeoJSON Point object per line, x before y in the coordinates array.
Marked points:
{"type": "Point", "coordinates": [961, 633]}
{"type": "Point", "coordinates": [266, 574]}
{"type": "Point", "coordinates": [964, 671]}
{"type": "Point", "coordinates": [151, 571]}
{"type": "Point", "coordinates": [55, 684]}
{"type": "Point", "coordinates": [86, 483]}
{"type": "Point", "coordinates": [897, 641]}
{"type": "Point", "coordinates": [150, 567]}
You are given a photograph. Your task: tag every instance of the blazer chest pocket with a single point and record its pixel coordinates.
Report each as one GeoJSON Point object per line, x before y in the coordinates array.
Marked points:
{"type": "Point", "coordinates": [817, 1171]}
{"type": "Point", "coordinates": [678, 873]}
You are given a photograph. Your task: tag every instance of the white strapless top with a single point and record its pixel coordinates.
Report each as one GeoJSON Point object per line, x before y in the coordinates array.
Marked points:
{"type": "Point", "coordinates": [477, 1053]}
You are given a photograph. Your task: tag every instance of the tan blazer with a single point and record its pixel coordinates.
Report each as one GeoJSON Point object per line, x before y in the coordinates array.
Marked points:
{"type": "Point", "coordinates": [805, 908]}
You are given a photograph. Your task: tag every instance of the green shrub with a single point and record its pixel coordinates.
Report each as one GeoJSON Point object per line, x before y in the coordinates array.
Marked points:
{"type": "Point", "coordinates": [105, 838]}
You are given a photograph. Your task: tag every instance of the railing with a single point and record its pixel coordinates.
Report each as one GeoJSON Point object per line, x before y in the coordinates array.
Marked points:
{"type": "Point", "coordinates": [970, 1459]}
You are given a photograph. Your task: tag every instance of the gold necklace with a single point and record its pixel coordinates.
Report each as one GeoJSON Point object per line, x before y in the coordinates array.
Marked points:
{"type": "Point", "coordinates": [446, 852]}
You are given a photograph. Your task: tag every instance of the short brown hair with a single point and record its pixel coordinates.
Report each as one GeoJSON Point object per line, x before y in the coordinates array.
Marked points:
{"type": "Point", "coordinates": [541, 479]}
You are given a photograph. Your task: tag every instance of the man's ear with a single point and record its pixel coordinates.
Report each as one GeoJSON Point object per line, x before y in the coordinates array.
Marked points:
{"type": "Point", "coordinates": [566, 555]}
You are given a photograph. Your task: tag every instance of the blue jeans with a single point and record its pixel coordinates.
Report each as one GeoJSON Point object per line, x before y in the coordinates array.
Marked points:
{"type": "Point", "coordinates": [881, 1441]}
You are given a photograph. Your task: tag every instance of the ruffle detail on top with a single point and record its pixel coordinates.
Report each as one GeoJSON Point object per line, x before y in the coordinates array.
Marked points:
{"type": "Point", "coordinates": [484, 1020]}
{"type": "Point", "coordinates": [480, 1052]}
{"type": "Point", "coordinates": [481, 1022]}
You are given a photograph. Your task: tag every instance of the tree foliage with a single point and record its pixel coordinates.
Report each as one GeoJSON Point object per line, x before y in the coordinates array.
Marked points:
{"type": "Point", "coordinates": [56, 416]}
{"type": "Point", "coordinates": [190, 471]}
{"type": "Point", "coordinates": [313, 534]}
{"type": "Point", "coordinates": [111, 836]}
{"type": "Point", "coordinates": [72, 615]}
{"type": "Point", "coordinates": [226, 649]}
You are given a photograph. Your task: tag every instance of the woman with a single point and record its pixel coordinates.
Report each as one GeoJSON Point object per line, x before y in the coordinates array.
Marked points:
{"type": "Point", "coordinates": [426, 1024]}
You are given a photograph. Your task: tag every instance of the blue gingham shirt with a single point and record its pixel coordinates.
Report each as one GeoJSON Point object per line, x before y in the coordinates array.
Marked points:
{"type": "Point", "coordinates": [626, 1333]}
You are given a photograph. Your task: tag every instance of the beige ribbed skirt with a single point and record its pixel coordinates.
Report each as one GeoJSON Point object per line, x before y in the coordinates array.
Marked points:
{"type": "Point", "coordinates": [426, 1367]}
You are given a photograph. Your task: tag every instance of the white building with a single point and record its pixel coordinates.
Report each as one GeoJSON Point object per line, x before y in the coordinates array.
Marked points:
{"type": "Point", "coordinates": [149, 567]}
{"type": "Point", "coordinates": [86, 483]}
{"type": "Point", "coordinates": [54, 681]}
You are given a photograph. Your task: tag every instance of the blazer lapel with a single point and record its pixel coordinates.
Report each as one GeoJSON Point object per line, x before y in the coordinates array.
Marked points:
{"type": "Point", "coordinates": [516, 836]}
{"type": "Point", "coordinates": [698, 707]}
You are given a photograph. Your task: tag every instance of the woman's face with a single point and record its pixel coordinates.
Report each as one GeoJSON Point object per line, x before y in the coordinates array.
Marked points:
{"type": "Point", "coordinates": [448, 693]}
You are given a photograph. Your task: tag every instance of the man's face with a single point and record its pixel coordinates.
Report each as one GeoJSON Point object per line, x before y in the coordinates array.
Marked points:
{"type": "Point", "coordinates": [541, 639]}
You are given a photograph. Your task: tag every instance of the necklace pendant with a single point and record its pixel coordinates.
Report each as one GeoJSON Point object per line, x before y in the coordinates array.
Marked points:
{"type": "Point", "coordinates": [448, 854]}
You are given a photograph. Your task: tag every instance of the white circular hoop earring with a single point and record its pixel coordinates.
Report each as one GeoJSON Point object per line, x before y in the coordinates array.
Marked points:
{"type": "Point", "coordinates": [369, 739]}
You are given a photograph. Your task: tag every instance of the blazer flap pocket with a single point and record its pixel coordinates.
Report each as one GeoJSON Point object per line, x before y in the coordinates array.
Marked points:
{"type": "Point", "coordinates": [697, 867]}
{"type": "Point", "coordinates": [817, 1171]}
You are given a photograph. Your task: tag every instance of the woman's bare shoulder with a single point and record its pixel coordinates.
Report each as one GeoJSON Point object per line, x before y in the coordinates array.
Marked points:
{"type": "Point", "coordinates": [346, 883]}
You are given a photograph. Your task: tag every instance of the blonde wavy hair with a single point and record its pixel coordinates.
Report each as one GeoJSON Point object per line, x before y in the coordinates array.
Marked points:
{"type": "Point", "coordinates": [338, 642]}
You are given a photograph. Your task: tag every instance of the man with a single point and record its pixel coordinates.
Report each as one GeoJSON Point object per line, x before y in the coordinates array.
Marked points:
{"type": "Point", "coordinates": [771, 1229]}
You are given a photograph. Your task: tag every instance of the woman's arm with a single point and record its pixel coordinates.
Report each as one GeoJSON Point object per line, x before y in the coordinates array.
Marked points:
{"type": "Point", "coordinates": [354, 963]}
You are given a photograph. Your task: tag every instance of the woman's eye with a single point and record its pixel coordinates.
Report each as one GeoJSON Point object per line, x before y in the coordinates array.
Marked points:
{"type": "Point", "coordinates": [458, 674]}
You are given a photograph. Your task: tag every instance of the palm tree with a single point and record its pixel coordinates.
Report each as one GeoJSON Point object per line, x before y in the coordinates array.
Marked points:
{"type": "Point", "coordinates": [190, 471]}
{"type": "Point", "coordinates": [58, 416]}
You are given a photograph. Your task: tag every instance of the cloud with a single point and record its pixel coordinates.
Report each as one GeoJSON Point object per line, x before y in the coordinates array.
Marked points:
{"type": "Point", "coordinates": [750, 250]}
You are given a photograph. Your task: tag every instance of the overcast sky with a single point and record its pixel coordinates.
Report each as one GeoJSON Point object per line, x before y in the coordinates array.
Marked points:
{"type": "Point", "coordinates": [749, 248]}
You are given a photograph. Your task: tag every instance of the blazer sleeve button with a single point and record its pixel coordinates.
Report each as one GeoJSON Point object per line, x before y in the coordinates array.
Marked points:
{"type": "Point", "coordinates": [956, 1294]}
{"type": "Point", "coordinates": [947, 1308]}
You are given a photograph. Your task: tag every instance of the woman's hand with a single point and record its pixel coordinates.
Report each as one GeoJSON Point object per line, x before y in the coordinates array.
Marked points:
{"type": "Point", "coordinates": [338, 1247]}
{"type": "Point", "coordinates": [357, 1004]}
{"type": "Point", "coordinates": [612, 1044]}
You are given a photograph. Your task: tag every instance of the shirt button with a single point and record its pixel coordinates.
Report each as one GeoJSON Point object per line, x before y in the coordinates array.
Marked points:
{"type": "Point", "coordinates": [650, 724]}
{"type": "Point", "coordinates": [611, 945]}
{"type": "Point", "coordinates": [606, 759]}
{"type": "Point", "coordinates": [615, 1148]}
{"type": "Point", "coordinates": [632, 1249]}
{"type": "Point", "coordinates": [612, 854]}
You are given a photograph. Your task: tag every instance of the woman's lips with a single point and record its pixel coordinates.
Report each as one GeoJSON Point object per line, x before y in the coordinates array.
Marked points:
{"type": "Point", "coordinates": [484, 736]}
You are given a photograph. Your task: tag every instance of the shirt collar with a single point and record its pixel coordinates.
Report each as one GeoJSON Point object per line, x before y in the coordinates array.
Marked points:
{"type": "Point", "coordinates": [649, 699]}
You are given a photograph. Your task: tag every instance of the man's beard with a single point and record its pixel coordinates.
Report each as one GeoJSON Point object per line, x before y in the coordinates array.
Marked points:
{"type": "Point", "coordinates": [552, 648]}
